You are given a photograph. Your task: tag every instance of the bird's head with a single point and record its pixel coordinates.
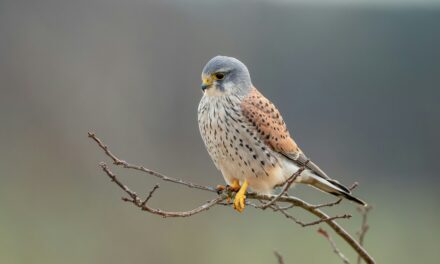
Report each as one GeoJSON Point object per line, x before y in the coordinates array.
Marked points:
{"type": "Point", "coordinates": [225, 76]}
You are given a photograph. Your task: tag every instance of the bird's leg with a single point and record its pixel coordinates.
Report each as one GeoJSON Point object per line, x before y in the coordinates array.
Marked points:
{"type": "Point", "coordinates": [240, 197]}
{"type": "Point", "coordinates": [235, 185]}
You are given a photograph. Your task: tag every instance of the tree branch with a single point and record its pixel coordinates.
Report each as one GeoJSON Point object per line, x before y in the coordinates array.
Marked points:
{"type": "Point", "coordinates": [286, 187]}
{"type": "Point", "coordinates": [333, 244]}
{"type": "Point", "coordinates": [125, 164]}
{"type": "Point", "coordinates": [279, 257]}
{"type": "Point", "coordinates": [283, 211]}
{"type": "Point", "coordinates": [150, 194]}
{"type": "Point", "coordinates": [338, 201]}
{"type": "Point", "coordinates": [136, 200]}
{"type": "Point", "coordinates": [364, 227]}
{"type": "Point", "coordinates": [222, 196]}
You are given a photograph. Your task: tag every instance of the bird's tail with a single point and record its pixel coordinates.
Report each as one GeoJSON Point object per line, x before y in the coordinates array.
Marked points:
{"type": "Point", "coordinates": [330, 186]}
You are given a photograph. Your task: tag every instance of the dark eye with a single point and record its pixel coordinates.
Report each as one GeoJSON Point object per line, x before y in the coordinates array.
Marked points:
{"type": "Point", "coordinates": [219, 76]}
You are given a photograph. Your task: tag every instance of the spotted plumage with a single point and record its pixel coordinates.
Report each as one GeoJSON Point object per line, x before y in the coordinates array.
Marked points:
{"type": "Point", "coordinates": [246, 136]}
{"type": "Point", "coordinates": [268, 122]}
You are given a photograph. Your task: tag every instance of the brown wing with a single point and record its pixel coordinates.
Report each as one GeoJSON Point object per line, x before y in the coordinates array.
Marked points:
{"type": "Point", "coordinates": [269, 123]}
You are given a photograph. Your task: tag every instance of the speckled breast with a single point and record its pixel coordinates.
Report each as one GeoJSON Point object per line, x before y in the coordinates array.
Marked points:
{"type": "Point", "coordinates": [232, 140]}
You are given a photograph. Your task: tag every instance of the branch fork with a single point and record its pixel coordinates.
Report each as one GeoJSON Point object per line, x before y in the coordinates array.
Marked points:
{"type": "Point", "coordinates": [266, 201]}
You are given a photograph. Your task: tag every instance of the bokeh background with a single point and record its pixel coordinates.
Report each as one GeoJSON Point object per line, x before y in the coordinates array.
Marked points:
{"type": "Point", "coordinates": [358, 83]}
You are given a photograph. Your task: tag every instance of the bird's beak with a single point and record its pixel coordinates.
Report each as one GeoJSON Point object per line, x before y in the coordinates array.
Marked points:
{"type": "Point", "coordinates": [206, 83]}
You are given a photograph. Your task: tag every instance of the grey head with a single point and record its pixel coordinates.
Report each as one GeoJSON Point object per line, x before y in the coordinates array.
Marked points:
{"type": "Point", "coordinates": [225, 76]}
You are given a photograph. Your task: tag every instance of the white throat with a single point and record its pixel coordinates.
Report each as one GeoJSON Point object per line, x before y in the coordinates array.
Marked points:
{"type": "Point", "coordinates": [229, 89]}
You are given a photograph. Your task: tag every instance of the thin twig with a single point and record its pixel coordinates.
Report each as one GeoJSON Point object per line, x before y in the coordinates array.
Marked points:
{"type": "Point", "coordinates": [283, 211]}
{"type": "Point", "coordinates": [333, 245]}
{"type": "Point", "coordinates": [150, 194]}
{"type": "Point", "coordinates": [286, 186]}
{"type": "Point", "coordinates": [279, 257]}
{"type": "Point", "coordinates": [137, 201]}
{"type": "Point", "coordinates": [292, 201]}
{"type": "Point", "coordinates": [363, 210]}
{"type": "Point", "coordinates": [344, 216]}
{"type": "Point", "coordinates": [338, 201]}
{"type": "Point", "coordinates": [285, 207]}
{"type": "Point", "coordinates": [311, 209]}
{"type": "Point", "coordinates": [127, 165]}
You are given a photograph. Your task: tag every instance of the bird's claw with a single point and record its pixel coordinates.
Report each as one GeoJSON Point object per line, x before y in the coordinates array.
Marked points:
{"type": "Point", "coordinates": [240, 201]}
{"type": "Point", "coordinates": [240, 197]}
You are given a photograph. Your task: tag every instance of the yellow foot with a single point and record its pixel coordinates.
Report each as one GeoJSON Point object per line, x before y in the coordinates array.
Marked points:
{"type": "Point", "coordinates": [240, 198]}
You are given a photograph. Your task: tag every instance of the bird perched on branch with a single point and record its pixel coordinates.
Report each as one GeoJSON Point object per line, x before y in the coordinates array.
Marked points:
{"type": "Point", "coordinates": [247, 138]}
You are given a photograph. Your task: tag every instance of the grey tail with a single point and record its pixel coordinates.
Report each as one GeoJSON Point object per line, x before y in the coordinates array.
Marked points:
{"type": "Point", "coordinates": [332, 187]}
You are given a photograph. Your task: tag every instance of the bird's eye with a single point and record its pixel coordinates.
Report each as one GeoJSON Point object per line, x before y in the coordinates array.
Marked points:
{"type": "Point", "coordinates": [219, 76]}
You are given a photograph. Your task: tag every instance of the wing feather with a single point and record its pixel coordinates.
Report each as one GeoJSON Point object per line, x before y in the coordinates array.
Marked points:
{"type": "Point", "coordinates": [273, 130]}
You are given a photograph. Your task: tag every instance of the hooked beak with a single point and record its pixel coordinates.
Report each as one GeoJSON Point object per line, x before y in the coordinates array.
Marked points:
{"type": "Point", "coordinates": [204, 86]}
{"type": "Point", "coordinates": [206, 83]}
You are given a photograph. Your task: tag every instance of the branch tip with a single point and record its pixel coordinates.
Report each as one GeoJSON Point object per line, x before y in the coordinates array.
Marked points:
{"type": "Point", "coordinates": [267, 201]}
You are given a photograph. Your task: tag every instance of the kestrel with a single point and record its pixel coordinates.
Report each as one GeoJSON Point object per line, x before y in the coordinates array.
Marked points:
{"type": "Point", "coordinates": [247, 138]}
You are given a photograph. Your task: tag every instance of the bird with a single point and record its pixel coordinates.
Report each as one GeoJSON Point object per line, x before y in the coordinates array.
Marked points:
{"type": "Point", "coordinates": [247, 138]}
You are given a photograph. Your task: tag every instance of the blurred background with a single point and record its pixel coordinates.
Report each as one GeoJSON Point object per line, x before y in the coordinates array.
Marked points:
{"type": "Point", "coordinates": [358, 83]}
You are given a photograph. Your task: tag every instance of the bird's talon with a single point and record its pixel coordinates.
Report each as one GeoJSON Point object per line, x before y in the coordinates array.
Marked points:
{"type": "Point", "coordinates": [240, 198]}
{"type": "Point", "coordinates": [239, 202]}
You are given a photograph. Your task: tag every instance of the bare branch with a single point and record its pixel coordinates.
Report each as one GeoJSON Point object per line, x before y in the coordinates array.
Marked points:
{"type": "Point", "coordinates": [279, 257]}
{"type": "Point", "coordinates": [364, 210]}
{"type": "Point", "coordinates": [286, 186]}
{"type": "Point", "coordinates": [338, 201]}
{"type": "Point", "coordinates": [344, 216]}
{"type": "Point", "coordinates": [311, 209]}
{"type": "Point", "coordinates": [330, 204]}
{"type": "Point", "coordinates": [333, 244]}
{"type": "Point", "coordinates": [127, 165]}
{"type": "Point", "coordinates": [284, 212]}
{"type": "Point", "coordinates": [223, 199]}
{"type": "Point", "coordinates": [150, 194]}
{"type": "Point", "coordinates": [134, 199]}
